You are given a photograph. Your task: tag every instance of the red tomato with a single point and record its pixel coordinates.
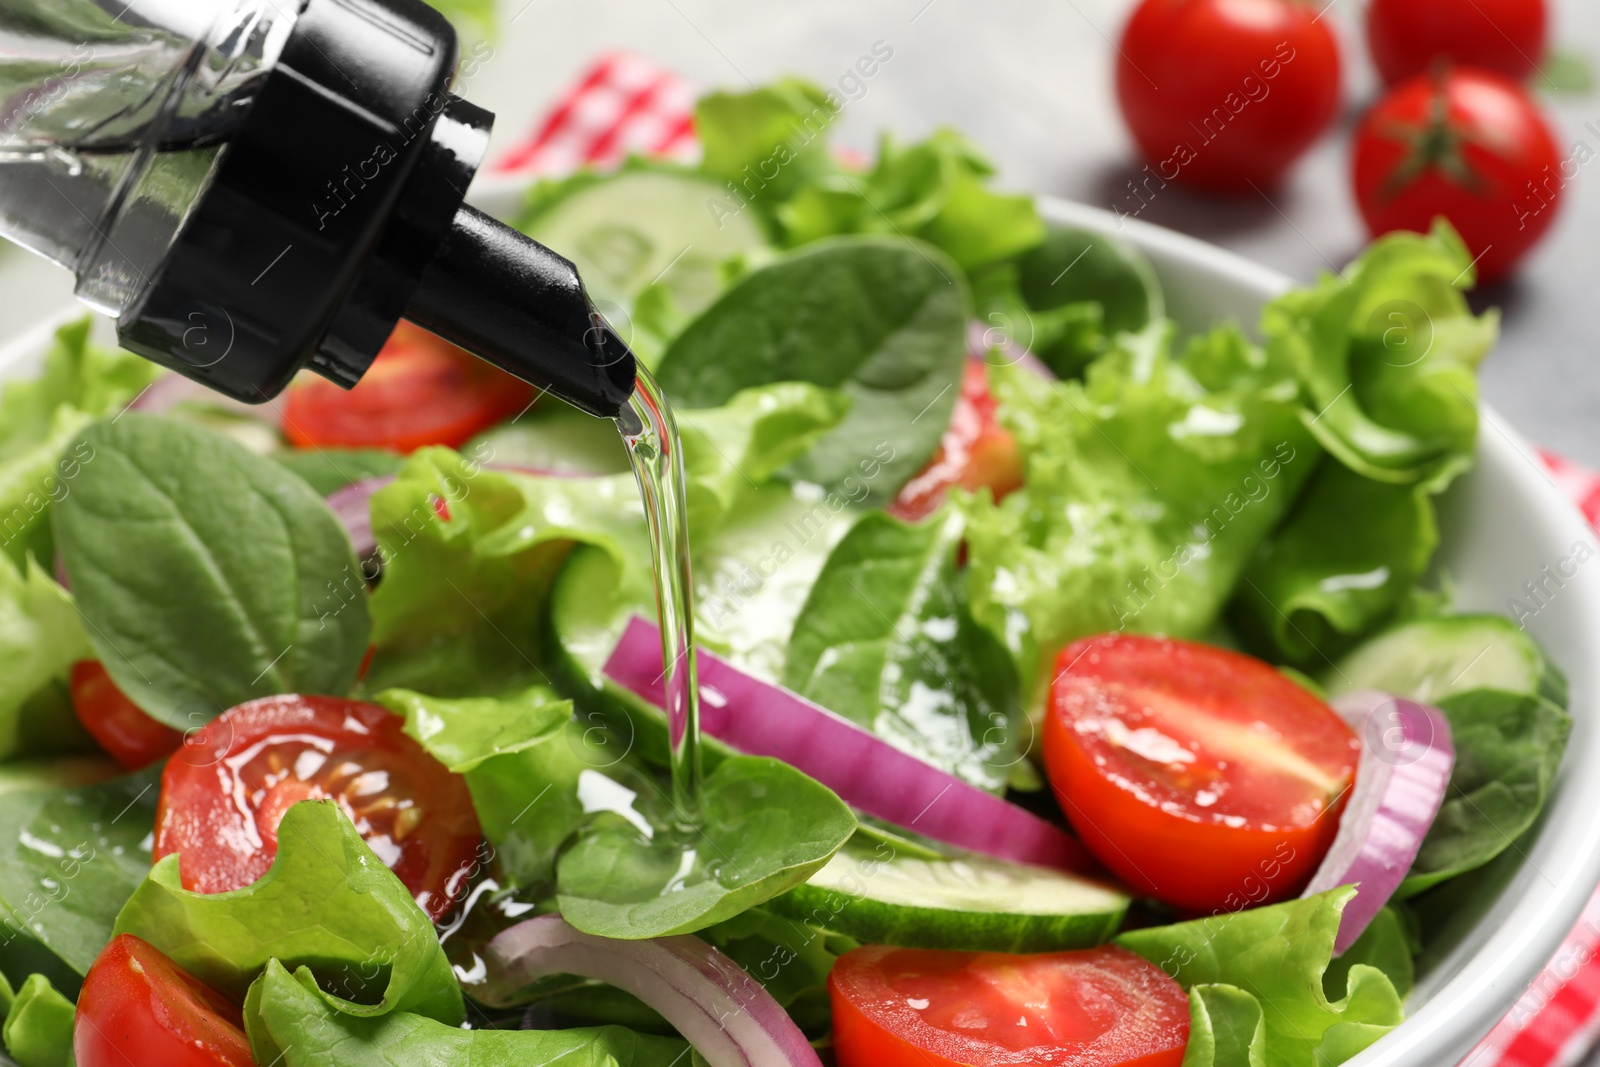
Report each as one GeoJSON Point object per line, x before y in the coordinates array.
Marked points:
{"type": "Point", "coordinates": [128, 735]}
{"type": "Point", "coordinates": [1202, 777]}
{"type": "Point", "coordinates": [1223, 94]}
{"type": "Point", "coordinates": [222, 799]}
{"type": "Point", "coordinates": [421, 390]}
{"type": "Point", "coordinates": [137, 1006]}
{"type": "Point", "coordinates": [975, 453]}
{"type": "Point", "coordinates": [1098, 1007]}
{"type": "Point", "coordinates": [1409, 37]}
{"type": "Point", "coordinates": [1468, 145]}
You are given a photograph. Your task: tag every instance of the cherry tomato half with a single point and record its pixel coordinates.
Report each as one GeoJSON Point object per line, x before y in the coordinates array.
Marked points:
{"type": "Point", "coordinates": [1098, 1007]}
{"type": "Point", "coordinates": [223, 797]}
{"type": "Point", "coordinates": [137, 1006]}
{"type": "Point", "coordinates": [1202, 777]}
{"type": "Point", "coordinates": [421, 390]}
{"type": "Point", "coordinates": [1471, 146]}
{"type": "Point", "coordinates": [121, 727]}
{"type": "Point", "coordinates": [975, 453]}
{"type": "Point", "coordinates": [1223, 94]}
{"type": "Point", "coordinates": [1408, 37]}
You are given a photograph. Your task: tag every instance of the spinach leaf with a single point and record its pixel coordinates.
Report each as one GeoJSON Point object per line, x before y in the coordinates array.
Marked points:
{"type": "Point", "coordinates": [38, 419]}
{"type": "Point", "coordinates": [1276, 955]}
{"type": "Point", "coordinates": [327, 903]}
{"type": "Point", "coordinates": [289, 1023]}
{"type": "Point", "coordinates": [886, 640]}
{"type": "Point", "coordinates": [1308, 596]}
{"type": "Point", "coordinates": [40, 638]}
{"type": "Point", "coordinates": [328, 470]}
{"type": "Point", "coordinates": [1508, 747]}
{"type": "Point", "coordinates": [884, 320]}
{"type": "Point", "coordinates": [763, 827]}
{"type": "Point", "coordinates": [68, 860]}
{"type": "Point", "coordinates": [207, 575]}
{"type": "Point", "coordinates": [38, 1026]}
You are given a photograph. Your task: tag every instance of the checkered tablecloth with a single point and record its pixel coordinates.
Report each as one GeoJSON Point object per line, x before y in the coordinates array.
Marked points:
{"type": "Point", "coordinates": [625, 104]}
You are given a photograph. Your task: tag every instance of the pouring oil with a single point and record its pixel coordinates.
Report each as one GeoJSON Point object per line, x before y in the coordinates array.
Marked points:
{"type": "Point", "coordinates": [655, 453]}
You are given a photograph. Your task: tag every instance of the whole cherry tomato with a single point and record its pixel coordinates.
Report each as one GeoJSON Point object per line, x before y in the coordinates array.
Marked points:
{"type": "Point", "coordinates": [1226, 94]}
{"type": "Point", "coordinates": [1408, 37]}
{"type": "Point", "coordinates": [128, 735]}
{"type": "Point", "coordinates": [1468, 145]}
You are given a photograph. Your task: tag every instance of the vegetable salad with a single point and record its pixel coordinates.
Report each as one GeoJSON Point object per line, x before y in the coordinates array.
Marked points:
{"type": "Point", "coordinates": [1050, 653]}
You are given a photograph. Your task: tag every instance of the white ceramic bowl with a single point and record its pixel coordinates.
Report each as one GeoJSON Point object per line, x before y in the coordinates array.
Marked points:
{"type": "Point", "coordinates": [1501, 524]}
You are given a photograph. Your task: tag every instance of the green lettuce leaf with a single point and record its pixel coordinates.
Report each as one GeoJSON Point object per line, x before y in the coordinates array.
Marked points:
{"type": "Point", "coordinates": [290, 1023]}
{"type": "Point", "coordinates": [1276, 956]}
{"type": "Point", "coordinates": [463, 733]}
{"type": "Point", "coordinates": [1386, 353]}
{"type": "Point", "coordinates": [935, 190]}
{"type": "Point", "coordinates": [38, 1026]}
{"type": "Point", "coordinates": [461, 607]}
{"type": "Point", "coordinates": [886, 640]}
{"type": "Point", "coordinates": [1308, 596]}
{"type": "Point", "coordinates": [38, 419]}
{"type": "Point", "coordinates": [767, 142]}
{"type": "Point", "coordinates": [327, 903]}
{"type": "Point", "coordinates": [41, 637]}
{"type": "Point", "coordinates": [1149, 486]}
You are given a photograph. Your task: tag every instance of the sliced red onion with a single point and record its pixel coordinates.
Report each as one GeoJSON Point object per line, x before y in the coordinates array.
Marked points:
{"type": "Point", "coordinates": [867, 772]}
{"type": "Point", "coordinates": [352, 505]}
{"type": "Point", "coordinates": [983, 338]}
{"type": "Point", "coordinates": [718, 1008]}
{"type": "Point", "coordinates": [1406, 759]}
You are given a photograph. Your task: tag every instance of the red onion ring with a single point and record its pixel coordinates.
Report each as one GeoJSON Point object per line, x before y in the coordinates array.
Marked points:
{"type": "Point", "coordinates": [1406, 759]}
{"type": "Point", "coordinates": [866, 771]}
{"type": "Point", "coordinates": [724, 1013]}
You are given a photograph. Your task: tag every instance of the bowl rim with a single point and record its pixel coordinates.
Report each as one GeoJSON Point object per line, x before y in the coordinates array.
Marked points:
{"type": "Point", "coordinates": [1471, 1002]}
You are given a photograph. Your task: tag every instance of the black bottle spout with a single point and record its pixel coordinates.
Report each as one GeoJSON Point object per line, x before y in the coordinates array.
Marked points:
{"type": "Point", "coordinates": [510, 300]}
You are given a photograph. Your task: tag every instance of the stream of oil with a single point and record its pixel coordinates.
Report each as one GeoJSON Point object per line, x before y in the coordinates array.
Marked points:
{"type": "Point", "coordinates": [655, 452]}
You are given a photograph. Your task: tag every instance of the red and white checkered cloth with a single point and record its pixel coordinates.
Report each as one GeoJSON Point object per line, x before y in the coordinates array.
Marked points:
{"type": "Point", "coordinates": [625, 104]}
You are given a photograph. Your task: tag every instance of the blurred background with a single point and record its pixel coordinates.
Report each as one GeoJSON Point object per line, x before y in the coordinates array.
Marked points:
{"type": "Point", "coordinates": [1031, 83]}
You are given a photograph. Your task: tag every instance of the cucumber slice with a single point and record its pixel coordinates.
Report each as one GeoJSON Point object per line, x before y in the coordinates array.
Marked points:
{"type": "Point", "coordinates": [1433, 659]}
{"type": "Point", "coordinates": [877, 893]}
{"type": "Point", "coordinates": [644, 225]}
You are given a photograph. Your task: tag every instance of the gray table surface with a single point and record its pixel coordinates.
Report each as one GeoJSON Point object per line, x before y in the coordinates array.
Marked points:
{"type": "Point", "coordinates": [1030, 82]}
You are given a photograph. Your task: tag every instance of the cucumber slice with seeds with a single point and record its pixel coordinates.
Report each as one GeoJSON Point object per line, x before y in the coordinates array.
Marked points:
{"type": "Point", "coordinates": [873, 892]}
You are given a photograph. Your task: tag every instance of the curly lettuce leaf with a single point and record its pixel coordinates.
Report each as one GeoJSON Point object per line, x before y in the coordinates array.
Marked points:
{"type": "Point", "coordinates": [1387, 353]}
{"type": "Point", "coordinates": [41, 637]}
{"type": "Point", "coordinates": [1277, 957]}
{"type": "Point", "coordinates": [469, 553]}
{"type": "Point", "coordinates": [1149, 486]}
{"type": "Point", "coordinates": [327, 904]}
{"type": "Point", "coordinates": [38, 1025]}
{"type": "Point", "coordinates": [289, 1023]}
{"type": "Point", "coordinates": [1307, 595]}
